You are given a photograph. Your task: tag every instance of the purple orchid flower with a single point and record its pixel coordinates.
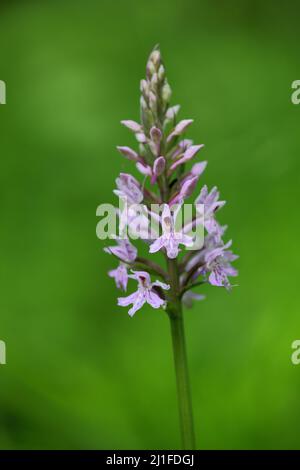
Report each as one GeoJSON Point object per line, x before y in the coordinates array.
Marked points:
{"type": "Point", "coordinates": [128, 189]}
{"type": "Point", "coordinates": [170, 239]}
{"type": "Point", "coordinates": [144, 294]}
{"type": "Point", "coordinates": [127, 253]}
{"type": "Point", "coordinates": [124, 250]}
{"type": "Point", "coordinates": [218, 264]}
{"type": "Point", "coordinates": [209, 201]}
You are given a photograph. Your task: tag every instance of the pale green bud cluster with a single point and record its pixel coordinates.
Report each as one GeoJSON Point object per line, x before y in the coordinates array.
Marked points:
{"type": "Point", "coordinates": [156, 93]}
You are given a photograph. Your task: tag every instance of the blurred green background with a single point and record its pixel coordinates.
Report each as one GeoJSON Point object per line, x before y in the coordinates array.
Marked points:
{"type": "Point", "coordinates": [80, 373]}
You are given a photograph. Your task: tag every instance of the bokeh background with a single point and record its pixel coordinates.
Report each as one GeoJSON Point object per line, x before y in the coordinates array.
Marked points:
{"type": "Point", "coordinates": [80, 373]}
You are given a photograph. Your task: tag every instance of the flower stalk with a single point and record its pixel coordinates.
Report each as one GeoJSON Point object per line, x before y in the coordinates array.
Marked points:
{"type": "Point", "coordinates": [174, 311]}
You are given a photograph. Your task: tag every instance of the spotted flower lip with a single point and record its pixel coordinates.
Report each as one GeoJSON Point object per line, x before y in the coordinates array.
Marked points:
{"type": "Point", "coordinates": [145, 293]}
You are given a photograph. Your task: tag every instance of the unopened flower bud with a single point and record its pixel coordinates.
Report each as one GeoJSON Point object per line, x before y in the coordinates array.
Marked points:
{"type": "Point", "coordinates": [153, 102]}
{"type": "Point", "coordinates": [132, 125]}
{"type": "Point", "coordinates": [166, 93]}
{"type": "Point", "coordinates": [128, 153]}
{"type": "Point", "coordinates": [172, 112]}
{"type": "Point", "coordinates": [140, 137]}
{"type": "Point", "coordinates": [186, 190]}
{"type": "Point", "coordinates": [142, 149]}
{"type": "Point", "coordinates": [154, 81]}
{"type": "Point", "coordinates": [144, 87]}
{"type": "Point", "coordinates": [180, 128]}
{"type": "Point", "coordinates": [143, 103]}
{"type": "Point", "coordinates": [188, 155]}
{"type": "Point", "coordinates": [159, 166]}
{"type": "Point", "coordinates": [188, 187]}
{"type": "Point", "coordinates": [161, 73]}
{"type": "Point", "coordinates": [150, 69]}
{"type": "Point", "coordinates": [155, 57]}
{"type": "Point", "coordinates": [155, 134]}
{"type": "Point", "coordinates": [198, 168]}
{"type": "Point", "coordinates": [155, 138]}
{"type": "Point", "coordinates": [146, 118]}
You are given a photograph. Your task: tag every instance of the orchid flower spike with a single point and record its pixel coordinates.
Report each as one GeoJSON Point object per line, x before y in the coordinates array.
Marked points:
{"type": "Point", "coordinates": [171, 169]}
{"type": "Point", "coordinates": [183, 250]}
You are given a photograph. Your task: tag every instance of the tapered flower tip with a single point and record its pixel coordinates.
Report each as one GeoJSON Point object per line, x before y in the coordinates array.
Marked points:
{"type": "Point", "coordinates": [172, 112]}
{"type": "Point", "coordinates": [154, 62]}
{"type": "Point", "coordinates": [189, 153]}
{"type": "Point", "coordinates": [128, 153]}
{"type": "Point", "coordinates": [180, 128]}
{"type": "Point", "coordinates": [141, 138]}
{"type": "Point", "coordinates": [159, 166]}
{"type": "Point", "coordinates": [192, 151]}
{"type": "Point", "coordinates": [188, 187]}
{"type": "Point", "coordinates": [155, 56]}
{"type": "Point", "coordinates": [186, 190]}
{"type": "Point", "coordinates": [132, 125]}
{"type": "Point", "coordinates": [198, 168]}
{"type": "Point", "coordinates": [166, 93]}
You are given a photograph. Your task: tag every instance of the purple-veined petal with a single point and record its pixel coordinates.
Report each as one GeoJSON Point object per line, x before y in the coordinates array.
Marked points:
{"type": "Point", "coordinates": [172, 247]}
{"type": "Point", "coordinates": [157, 245]}
{"type": "Point", "coordinates": [153, 299]}
{"type": "Point", "coordinates": [130, 299]}
{"type": "Point", "coordinates": [139, 302]}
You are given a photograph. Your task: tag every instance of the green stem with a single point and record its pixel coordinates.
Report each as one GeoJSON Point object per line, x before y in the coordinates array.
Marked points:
{"type": "Point", "coordinates": [180, 360]}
